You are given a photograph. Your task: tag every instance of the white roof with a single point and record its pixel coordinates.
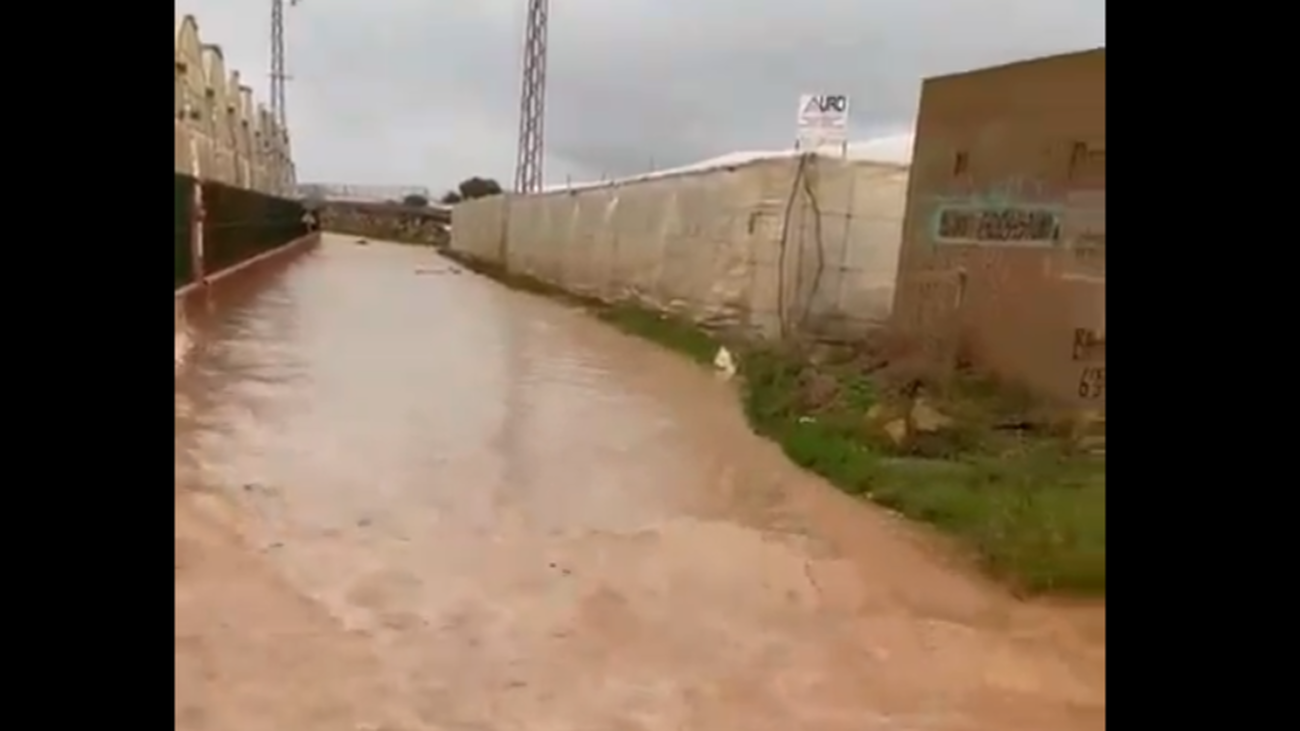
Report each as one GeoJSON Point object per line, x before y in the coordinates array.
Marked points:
{"type": "Point", "coordinates": [895, 149]}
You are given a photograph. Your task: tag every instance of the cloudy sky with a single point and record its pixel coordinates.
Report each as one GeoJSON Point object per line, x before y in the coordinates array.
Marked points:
{"type": "Point", "coordinates": [426, 92]}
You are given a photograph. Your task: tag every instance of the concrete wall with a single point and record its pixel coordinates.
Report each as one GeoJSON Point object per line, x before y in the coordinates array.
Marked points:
{"type": "Point", "coordinates": [221, 134]}
{"type": "Point", "coordinates": [776, 247]}
{"type": "Point", "coordinates": [1004, 245]}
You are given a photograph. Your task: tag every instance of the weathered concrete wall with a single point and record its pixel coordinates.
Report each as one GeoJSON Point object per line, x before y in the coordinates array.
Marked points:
{"type": "Point", "coordinates": [1004, 253]}
{"type": "Point", "coordinates": [220, 133]}
{"type": "Point", "coordinates": [394, 222]}
{"type": "Point", "coordinates": [775, 247]}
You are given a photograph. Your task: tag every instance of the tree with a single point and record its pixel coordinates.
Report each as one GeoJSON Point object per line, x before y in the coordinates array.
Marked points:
{"type": "Point", "coordinates": [450, 198]}
{"type": "Point", "coordinates": [477, 187]}
{"type": "Point", "coordinates": [415, 200]}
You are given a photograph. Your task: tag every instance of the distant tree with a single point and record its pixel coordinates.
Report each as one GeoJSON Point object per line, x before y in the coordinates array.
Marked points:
{"type": "Point", "coordinates": [416, 200]}
{"type": "Point", "coordinates": [477, 187]}
{"type": "Point", "coordinates": [450, 198]}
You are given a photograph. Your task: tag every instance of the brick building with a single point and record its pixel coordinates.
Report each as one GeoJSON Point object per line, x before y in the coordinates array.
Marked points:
{"type": "Point", "coordinates": [1003, 260]}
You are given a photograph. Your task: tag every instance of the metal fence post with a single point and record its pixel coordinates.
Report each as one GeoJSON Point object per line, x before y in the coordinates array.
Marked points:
{"type": "Point", "coordinates": [197, 216]}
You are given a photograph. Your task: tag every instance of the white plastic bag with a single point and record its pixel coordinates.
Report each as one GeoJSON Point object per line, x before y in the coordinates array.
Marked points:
{"type": "Point", "coordinates": [725, 363]}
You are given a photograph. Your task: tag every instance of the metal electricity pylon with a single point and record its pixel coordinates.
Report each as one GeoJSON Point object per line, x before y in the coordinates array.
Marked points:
{"type": "Point", "coordinates": [532, 102]}
{"type": "Point", "coordinates": [278, 76]}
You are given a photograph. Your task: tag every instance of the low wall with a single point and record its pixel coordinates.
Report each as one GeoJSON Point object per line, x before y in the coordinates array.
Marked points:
{"type": "Point", "coordinates": [777, 247]}
{"type": "Point", "coordinates": [295, 246]}
{"type": "Point", "coordinates": [186, 297]}
{"type": "Point", "coordinates": [235, 225]}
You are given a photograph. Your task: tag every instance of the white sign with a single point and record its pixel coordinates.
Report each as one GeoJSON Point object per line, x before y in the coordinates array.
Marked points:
{"type": "Point", "coordinates": [823, 120]}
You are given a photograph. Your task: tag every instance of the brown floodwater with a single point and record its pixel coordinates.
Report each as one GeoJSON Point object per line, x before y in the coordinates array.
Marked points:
{"type": "Point", "coordinates": [408, 498]}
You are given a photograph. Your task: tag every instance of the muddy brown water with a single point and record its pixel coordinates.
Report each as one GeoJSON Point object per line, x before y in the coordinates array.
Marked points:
{"type": "Point", "coordinates": [408, 498]}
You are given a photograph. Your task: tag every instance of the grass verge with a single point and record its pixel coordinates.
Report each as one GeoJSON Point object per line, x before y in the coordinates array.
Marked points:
{"type": "Point", "coordinates": [1011, 482]}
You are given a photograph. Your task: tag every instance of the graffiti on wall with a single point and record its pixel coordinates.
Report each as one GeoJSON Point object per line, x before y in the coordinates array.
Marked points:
{"type": "Point", "coordinates": [1084, 233]}
{"type": "Point", "coordinates": [1016, 212]}
{"type": "Point", "coordinates": [1092, 383]}
{"type": "Point", "coordinates": [964, 224]}
{"type": "Point", "coordinates": [1089, 348]}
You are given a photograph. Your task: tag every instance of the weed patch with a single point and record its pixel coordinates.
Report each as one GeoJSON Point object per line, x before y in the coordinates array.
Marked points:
{"type": "Point", "coordinates": [671, 332]}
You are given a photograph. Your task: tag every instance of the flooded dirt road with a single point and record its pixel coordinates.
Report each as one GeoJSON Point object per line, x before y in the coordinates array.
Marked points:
{"type": "Point", "coordinates": [411, 499]}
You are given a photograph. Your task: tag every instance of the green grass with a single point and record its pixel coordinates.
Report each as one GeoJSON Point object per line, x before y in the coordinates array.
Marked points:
{"type": "Point", "coordinates": [671, 332]}
{"type": "Point", "coordinates": [1027, 506]}
{"type": "Point", "coordinates": [1032, 511]}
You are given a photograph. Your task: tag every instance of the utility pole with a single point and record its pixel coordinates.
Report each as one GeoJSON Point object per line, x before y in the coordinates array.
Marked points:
{"type": "Point", "coordinates": [278, 76]}
{"type": "Point", "coordinates": [532, 102]}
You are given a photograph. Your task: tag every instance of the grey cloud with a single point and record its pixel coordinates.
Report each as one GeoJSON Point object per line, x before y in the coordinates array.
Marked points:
{"type": "Point", "coordinates": [409, 91]}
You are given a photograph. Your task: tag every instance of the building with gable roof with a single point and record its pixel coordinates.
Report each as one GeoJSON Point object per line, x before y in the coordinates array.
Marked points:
{"type": "Point", "coordinates": [221, 133]}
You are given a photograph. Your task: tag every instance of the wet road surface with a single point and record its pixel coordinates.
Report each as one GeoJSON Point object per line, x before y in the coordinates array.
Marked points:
{"type": "Point", "coordinates": [411, 499]}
